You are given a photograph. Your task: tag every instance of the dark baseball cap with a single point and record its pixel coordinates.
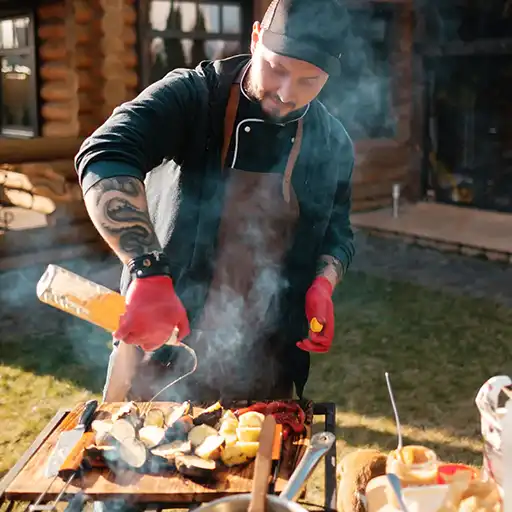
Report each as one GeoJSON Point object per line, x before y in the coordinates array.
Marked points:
{"type": "Point", "coordinates": [309, 30]}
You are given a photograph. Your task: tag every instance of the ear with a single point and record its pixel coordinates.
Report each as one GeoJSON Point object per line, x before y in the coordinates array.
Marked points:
{"type": "Point", "coordinates": [255, 35]}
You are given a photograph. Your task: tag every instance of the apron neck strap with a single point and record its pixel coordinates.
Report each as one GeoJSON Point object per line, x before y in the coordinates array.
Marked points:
{"type": "Point", "coordinates": [229, 123]}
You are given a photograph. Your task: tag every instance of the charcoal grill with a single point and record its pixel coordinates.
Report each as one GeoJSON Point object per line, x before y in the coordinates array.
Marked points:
{"type": "Point", "coordinates": [326, 410]}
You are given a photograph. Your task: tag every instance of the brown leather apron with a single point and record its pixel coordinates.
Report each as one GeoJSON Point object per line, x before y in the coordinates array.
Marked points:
{"type": "Point", "coordinates": [237, 356]}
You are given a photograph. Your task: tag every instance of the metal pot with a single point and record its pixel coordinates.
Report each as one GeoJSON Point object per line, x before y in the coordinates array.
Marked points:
{"type": "Point", "coordinates": [285, 502]}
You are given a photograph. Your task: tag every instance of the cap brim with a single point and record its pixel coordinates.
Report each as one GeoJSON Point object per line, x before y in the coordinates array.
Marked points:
{"type": "Point", "coordinates": [284, 45]}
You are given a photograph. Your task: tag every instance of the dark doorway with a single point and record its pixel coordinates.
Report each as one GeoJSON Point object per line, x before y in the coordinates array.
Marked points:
{"type": "Point", "coordinates": [469, 130]}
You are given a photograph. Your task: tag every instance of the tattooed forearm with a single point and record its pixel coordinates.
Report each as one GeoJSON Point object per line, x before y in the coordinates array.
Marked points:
{"type": "Point", "coordinates": [118, 209]}
{"type": "Point", "coordinates": [331, 268]}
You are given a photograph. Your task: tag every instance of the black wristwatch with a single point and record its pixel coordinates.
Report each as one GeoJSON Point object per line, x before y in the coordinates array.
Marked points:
{"type": "Point", "coordinates": [151, 264]}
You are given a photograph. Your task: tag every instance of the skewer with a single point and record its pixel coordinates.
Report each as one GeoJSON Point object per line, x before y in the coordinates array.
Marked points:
{"type": "Point", "coordinates": [36, 507]}
{"type": "Point", "coordinates": [173, 340]}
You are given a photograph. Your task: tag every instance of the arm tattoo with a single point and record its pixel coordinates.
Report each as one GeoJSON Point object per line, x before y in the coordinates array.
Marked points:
{"type": "Point", "coordinates": [331, 268]}
{"type": "Point", "coordinates": [118, 208]}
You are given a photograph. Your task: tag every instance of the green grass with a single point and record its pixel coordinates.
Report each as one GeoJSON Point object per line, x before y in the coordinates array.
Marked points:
{"type": "Point", "coordinates": [438, 348]}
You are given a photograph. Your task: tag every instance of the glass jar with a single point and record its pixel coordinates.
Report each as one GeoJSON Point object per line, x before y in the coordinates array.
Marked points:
{"type": "Point", "coordinates": [414, 465]}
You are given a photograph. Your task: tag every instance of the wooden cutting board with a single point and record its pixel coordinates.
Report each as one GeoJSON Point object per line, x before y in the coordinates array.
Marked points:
{"type": "Point", "coordinates": [102, 484]}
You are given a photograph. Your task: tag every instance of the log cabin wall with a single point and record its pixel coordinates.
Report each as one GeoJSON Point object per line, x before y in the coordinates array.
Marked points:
{"type": "Point", "coordinates": [380, 163]}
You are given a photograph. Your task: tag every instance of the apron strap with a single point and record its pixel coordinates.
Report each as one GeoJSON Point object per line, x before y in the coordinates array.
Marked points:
{"type": "Point", "coordinates": [229, 123]}
{"type": "Point", "coordinates": [292, 159]}
{"type": "Point", "coordinates": [229, 119]}
{"type": "Point", "coordinates": [230, 114]}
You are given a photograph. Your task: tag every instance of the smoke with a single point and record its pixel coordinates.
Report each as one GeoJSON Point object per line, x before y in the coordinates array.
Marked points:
{"type": "Point", "coordinates": [361, 97]}
{"type": "Point", "coordinates": [44, 340]}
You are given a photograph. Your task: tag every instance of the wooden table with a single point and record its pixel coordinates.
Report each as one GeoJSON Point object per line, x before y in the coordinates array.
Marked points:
{"type": "Point", "coordinates": [327, 410]}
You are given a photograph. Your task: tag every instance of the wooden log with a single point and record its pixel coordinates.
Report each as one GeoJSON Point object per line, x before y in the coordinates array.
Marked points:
{"type": "Point", "coordinates": [52, 32]}
{"type": "Point", "coordinates": [68, 214]}
{"type": "Point", "coordinates": [57, 71]}
{"type": "Point", "coordinates": [51, 51]}
{"type": "Point", "coordinates": [114, 91]}
{"type": "Point", "coordinates": [88, 123]}
{"type": "Point", "coordinates": [129, 15]}
{"type": "Point", "coordinates": [55, 130]}
{"type": "Point", "coordinates": [38, 149]}
{"type": "Point", "coordinates": [113, 67]}
{"type": "Point", "coordinates": [17, 242]}
{"type": "Point", "coordinates": [64, 168]}
{"type": "Point", "coordinates": [56, 92]}
{"type": "Point", "coordinates": [131, 79]}
{"type": "Point", "coordinates": [84, 13]}
{"type": "Point", "coordinates": [58, 112]}
{"type": "Point", "coordinates": [131, 59]}
{"type": "Point", "coordinates": [23, 199]}
{"type": "Point", "coordinates": [45, 184]}
{"type": "Point", "coordinates": [52, 11]}
{"type": "Point", "coordinates": [130, 36]}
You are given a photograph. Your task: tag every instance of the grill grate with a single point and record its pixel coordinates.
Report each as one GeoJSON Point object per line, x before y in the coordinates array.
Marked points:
{"type": "Point", "coordinates": [76, 502]}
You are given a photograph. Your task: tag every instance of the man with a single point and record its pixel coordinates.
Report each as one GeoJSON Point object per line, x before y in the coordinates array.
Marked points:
{"type": "Point", "coordinates": [226, 192]}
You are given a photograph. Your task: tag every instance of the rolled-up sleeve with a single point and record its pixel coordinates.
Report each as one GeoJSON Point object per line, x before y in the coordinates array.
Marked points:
{"type": "Point", "coordinates": [140, 133]}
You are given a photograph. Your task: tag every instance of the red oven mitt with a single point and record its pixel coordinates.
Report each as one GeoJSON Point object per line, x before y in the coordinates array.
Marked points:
{"type": "Point", "coordinates": [320, 315]}
{"type": "Point", "coordinates": [152, 311]}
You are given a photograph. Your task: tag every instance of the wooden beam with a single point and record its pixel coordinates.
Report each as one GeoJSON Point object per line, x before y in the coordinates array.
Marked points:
{"type": "Point", "coordinates": [14, 151]}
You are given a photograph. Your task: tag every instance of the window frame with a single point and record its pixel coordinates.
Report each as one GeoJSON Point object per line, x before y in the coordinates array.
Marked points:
{"type": "Point", "coordinates": [30, 50]}
{"type": "Point", "coordinates": [146, 32]}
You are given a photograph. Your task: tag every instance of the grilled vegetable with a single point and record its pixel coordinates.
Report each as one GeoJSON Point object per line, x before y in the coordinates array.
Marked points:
{"type": "Point", "coordinates": [234, 456]}
{"type": "Point", "coordinates": [133, 453]}
{"type": "Point", "coordinates": [177, 412]}
{"type": "Point", "coordinates": [251, 419]}
{"type": "Point", "coordinates": [123, 430]}
{"type": "Point", "coordinates": [211, 448]}
{"type": "Point", "coordinates": [151, 436]}
{"type": "Point", "coordinates": [195, 467]}
{"type": "Point", "coordinates": [198, 434]}
{"type": "Point", "coordinates": [101, 429]}
{"type": "Point", "coordinates": [129, 412]}
{"type": "Point", "coordinates": [179, 430]}
{"type": "Point", "coordinates": [155, 418]}
{"type": "Point", "coordinates": [171, 450]}
{"type": "Point", "coordinates": [210, 418]}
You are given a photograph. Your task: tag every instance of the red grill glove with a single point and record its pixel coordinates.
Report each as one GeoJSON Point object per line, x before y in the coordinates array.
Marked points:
{"type": "Point", "coordinates": [319, 305]}
{"type": "Point", "coordinates": [152, 311]}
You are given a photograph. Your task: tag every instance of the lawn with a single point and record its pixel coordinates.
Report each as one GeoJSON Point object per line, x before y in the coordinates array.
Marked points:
{"type": "Point", "coordinates": [438, 348]}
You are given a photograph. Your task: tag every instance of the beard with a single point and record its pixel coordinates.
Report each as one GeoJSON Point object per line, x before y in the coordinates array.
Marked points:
{"type": "Point", "coordinates": [258, 94]}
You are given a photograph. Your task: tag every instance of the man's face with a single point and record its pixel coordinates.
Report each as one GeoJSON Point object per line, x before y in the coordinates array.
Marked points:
{"type": "Point", "coordinates": [281, 84]}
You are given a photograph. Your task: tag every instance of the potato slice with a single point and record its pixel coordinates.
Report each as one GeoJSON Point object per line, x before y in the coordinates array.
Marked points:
{"type": "Point", "coordinates": [230, 439]}
{"type": "Point", "coordinates": [229, 415]}
{"type": "Point", "coordinates": [195, 467]}
{"type": "Point", "coordinates": [234, 456]}
{"type": "Point", "coordinates": [249, 449]}
{"type": "Point", "coordinates": [251, 419]}
{"type": "Point", "coordinates": [248, 434]}
{"type": "Point", "coordinates": [155, 418]}
{"type": "Point", "coordinates": [198, 434]}
{"type": "Point", "coordinates": [228, 426]}
{"type": "Point", "coordinates": [211, 448]}
{"type": "Point", "coordinates": [151, 435]}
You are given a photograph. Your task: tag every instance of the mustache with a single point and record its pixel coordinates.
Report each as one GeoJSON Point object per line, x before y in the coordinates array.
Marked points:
{"type": "Point", "coordinates": [277, 99]}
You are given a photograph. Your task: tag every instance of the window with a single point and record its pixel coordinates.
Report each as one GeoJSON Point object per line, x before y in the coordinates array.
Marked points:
{"type": "Point", "coordinates": [361, 97]}
{"type": "Point", "coordinates": [18, 93]}
{"type": "Point", "coordinates": [183, 33]}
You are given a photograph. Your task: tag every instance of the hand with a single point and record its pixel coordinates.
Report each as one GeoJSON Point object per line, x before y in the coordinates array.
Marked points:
{"type": "Point", "coordinates": [152, 311]}
{"type": "Point", "coordinates": [319, 308]}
